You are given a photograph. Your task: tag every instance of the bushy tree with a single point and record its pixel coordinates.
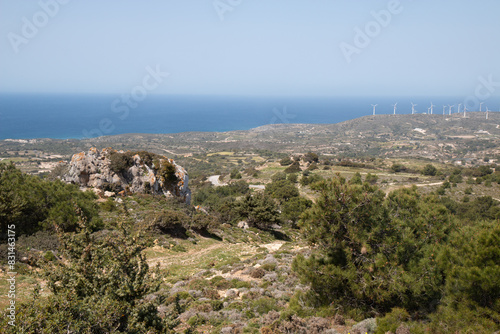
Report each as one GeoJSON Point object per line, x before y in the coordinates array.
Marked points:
{"type": "Point", "coordinates": [120, 162]}
{"type": "Point", "coordinates": [310, 157]}
{"type": "Point", "coordinates": [32, 203]}
{"type": "Point", "coordinates": [474, 278]}
{"type": "Point", "coordinates": [371, 178]}
{"type": "Point", "coordinates": [293, 208]}
{"type": "Point", "coordinates": [308, 179]}
{"type": "Point", "coordinates": [312, 166]}
{"type": "Point", "coordinates": [429, 170]}
{"type": "Point", "coordinates": [286, 161]}
{"type": "Point", "coordinates": [484, 207]}
{"type": "Point", "coordinates": [282, 190]}
{"type": "Point", "coordinates": [292, 178]}
{"type": "Point", "coordinates": [235, 174]}
{"type": "Point", "coordinates": [482, 171]}
{"type": "Point", "coordinates": [397, 168]}
{"type": "Point", "coordinates": [280, 176]}
{"type": "Point", "coordinates": [471, 302]}
{"type": "Point", "coordinates": [356, 179]}
{"type": "Point", "coordinates": [258, 209]}
{"type": "Point", "coordinates": [98, 285]}
{"type": "Point", "coordinates": [166, 172]}
{"type": "Point", "coordinates": [373, 253]}
{"type": "Point", "coordinates": [293, 168]}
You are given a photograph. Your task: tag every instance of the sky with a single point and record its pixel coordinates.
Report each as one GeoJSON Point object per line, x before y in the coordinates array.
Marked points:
{"type": "Point", "coordinates": [251, 47]}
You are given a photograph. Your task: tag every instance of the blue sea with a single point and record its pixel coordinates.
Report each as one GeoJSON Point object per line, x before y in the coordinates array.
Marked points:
{"type": "Point", "coordinates": [24, 116]}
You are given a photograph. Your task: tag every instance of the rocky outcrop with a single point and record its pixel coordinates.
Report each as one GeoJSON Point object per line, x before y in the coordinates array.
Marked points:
{"type": "Point", "coordinates": [128, 172]}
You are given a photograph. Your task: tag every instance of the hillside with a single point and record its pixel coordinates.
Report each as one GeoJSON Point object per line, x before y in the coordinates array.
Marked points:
{"type": "Point", "coordinates": [436, 137]}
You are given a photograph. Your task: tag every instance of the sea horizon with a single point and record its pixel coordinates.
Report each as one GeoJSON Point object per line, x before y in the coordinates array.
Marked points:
{"type": "Point", "coordinates": [79, 116]}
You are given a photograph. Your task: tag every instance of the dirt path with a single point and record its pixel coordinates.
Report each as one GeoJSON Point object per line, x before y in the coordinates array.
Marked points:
{"type": "Point", "coordinates": [214, 179]}
{"type": "Point", "coordinates": [419, 185]}
{"type": "Point", "coordinates": [197, 256]}
{"type": "Point", "coordinates": [257, 186]}
{"type": "Point", "coordinates": [188, 257]}
{"type": "Point", "coordinates": [274, 246]}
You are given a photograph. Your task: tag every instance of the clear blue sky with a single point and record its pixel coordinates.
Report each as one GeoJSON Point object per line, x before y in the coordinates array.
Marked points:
{"type": "Point", "coordinates": [262, 47]}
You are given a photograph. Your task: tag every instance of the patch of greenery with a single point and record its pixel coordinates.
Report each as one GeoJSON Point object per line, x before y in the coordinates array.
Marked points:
{"type": "Point", "coordinates": [32, 204]}
{"type": "Point", "coordinates": [98, 276]}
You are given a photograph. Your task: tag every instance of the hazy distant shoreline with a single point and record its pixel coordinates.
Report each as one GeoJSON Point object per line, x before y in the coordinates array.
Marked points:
{"type": "Point", "coordinates": [56, 116]}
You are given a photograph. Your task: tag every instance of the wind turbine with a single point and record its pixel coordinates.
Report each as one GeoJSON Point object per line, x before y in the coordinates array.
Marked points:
{"type": "Point", "coordinates": [465, 110]}
{"type": "Point", "coordinates": [459, 107]}
{"type": "Point", "coordinates": [444, 108]}
{"type": "Point", "coordinates": [480, 106]}
{"type": "Point", "coordinates": [450, 107]}
{"type": "Point", "coordinates": [395, 106]}
{"type": "Point", "coordinates": [413, 105]}
{"type": "Point", "coordinates": [374, 106]}
{"type": "Point", "coordinates": [432, 108]}
{"type": "Point", "coordinates": [487, 110]}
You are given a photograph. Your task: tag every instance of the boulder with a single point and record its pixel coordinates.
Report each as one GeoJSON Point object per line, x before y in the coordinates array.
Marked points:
{"type": "Point", "coordinates": [138, 175]}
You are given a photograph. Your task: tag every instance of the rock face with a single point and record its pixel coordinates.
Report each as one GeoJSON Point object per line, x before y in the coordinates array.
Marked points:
{"type": "Point", "coordinates": [128, 172]}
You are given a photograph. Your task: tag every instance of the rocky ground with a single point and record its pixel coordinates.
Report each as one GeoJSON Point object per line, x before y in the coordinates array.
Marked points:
{"type": "Point", "coordinates": [242, 284]}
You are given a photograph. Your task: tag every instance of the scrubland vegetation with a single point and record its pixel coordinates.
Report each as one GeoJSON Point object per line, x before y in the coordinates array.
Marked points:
{"type": "Point", "coordinates": [330, 245]}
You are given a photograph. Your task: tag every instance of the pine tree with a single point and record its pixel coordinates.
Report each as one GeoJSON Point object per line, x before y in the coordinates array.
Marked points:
{"type": "Point", "coordinates": [98, 285]}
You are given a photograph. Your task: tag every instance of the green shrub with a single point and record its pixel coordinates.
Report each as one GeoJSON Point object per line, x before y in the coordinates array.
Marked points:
{"type": "Point", "coordinates": [49, 256]}
{"type": "Point", "coordinates": [292, 178]}
{"type": "Point", "coordinates": [196, 321]}
{"type": "Point", "coordinates": [109, 205]}
{"type": "Point", "coordinates": [279, 176]}
{"type": "Point", "coordinates": [238, 284]}
{"type": "Point", "coordinates": [258, 209]}
{"type": "Point", "coordinates": [293, 168]}
{"type": "Point", "coordinates": [107, 276]}
{"type": "Point", "coordinates": [429, 170]}
{"type": "Point", "coordinates": [166, 173]}
{"type": "Point", "coordinates": [363, 238]}
{"type": "Point", "coordinates": [293, 208]}
{"type": "Point", "coordinates": [310, 157]}
{"type": "Point", "coordinates": [269, 266]}
{"type": "Point", "coordinates": [283, 190]}
{"type": "Point", "coordinates": [32, 204]}
{"type": "Point", "coordinates": [312, 166]}
{"type": "Point", "coordinates": [168, 221]}
{"type": "Point", "coordinates": [120, 162]}
{"type": "Point", "coordinates": [264, 304]}
{"type": "Point", "coordinates": [397, 168]}
{"type": "Point", "coordinates": [310, 179]}
{"type": "Point", "coordinates": [220, 283]}
{"type": "Point", "coordinates": [235, 174]}
{"type": "Point", "coordinates": [286, 161]}
{"type": "Point", "coordinates": [455, 178]}
{"type": "Point", "coordinates": [371, 178]}
{"type": "Point", "coordinates": [391, 321]}
{"type": "Point", "coordinates": [356, 179]}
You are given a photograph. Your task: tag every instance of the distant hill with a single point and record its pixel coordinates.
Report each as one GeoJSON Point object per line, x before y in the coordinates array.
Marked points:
{"type": "Point", "coordinates": [437, 137]}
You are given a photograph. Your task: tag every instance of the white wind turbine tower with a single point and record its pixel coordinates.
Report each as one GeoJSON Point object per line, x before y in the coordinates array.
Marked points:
{"type": "Point", "coordinates": [481, 106]}
{"type": "Point", "coordinates": [465, 110]}
{"type": "Point", "coordinates": [374, 106]}
{"type": "Point", "coordinates": [395, 106]}
{"type": "Point", "coordinates": [487, 111]}
{"type": "Point", "coordinates": [458, 110]}
{"type": "Point", "coordinates": [432, 108]}
{"type": "Point", "coordinates": [413, 105]}
{"type": "Point", "coordinates": [450, 107]}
